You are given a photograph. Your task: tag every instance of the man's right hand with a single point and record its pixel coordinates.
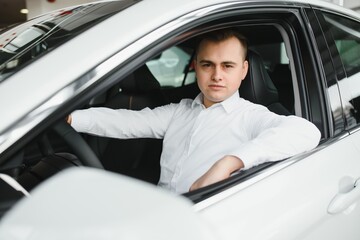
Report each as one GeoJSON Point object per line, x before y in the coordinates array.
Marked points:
{"type": "Point", "coordinates": [68, 119]}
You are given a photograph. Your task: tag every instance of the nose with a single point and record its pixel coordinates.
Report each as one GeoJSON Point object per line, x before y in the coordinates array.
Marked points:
{"type": "Point", "coordinates": [217, 74]}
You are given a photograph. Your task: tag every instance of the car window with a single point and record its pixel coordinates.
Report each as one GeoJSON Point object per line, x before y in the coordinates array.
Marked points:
{"type": "Point", "coordinates": [26, 42]}
{"type": "Point", "coordinates": [346, 34]}
{"type": "Point", "coordinates": [171, 66]}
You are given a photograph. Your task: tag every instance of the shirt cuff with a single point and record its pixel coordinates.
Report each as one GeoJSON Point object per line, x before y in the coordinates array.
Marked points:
{"type": "Point", "coordinates": [80, 121]}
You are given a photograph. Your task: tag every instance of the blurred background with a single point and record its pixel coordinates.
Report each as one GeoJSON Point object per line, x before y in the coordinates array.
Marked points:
{"type": "Point", "coordinates": [17, 11]}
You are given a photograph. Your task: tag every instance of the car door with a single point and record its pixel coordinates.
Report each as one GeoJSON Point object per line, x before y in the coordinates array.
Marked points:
{"type": "Point", "coordinates": [311, 196]}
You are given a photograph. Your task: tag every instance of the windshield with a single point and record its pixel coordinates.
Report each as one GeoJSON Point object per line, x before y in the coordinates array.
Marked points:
{"type": "Point", "coordinates": [25, 43]}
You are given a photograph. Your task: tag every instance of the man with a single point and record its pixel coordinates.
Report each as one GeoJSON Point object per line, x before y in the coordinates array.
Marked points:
{"type": "Point", "coordinates": [218, 133]}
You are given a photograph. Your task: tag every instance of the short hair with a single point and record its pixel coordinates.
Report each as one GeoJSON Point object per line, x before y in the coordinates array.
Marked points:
{"type": "Point", "coordinates": [222, 35]}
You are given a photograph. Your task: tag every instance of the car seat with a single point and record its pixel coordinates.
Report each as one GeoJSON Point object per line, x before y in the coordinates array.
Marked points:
{"type": "Point", "coordinates": [258, 87]}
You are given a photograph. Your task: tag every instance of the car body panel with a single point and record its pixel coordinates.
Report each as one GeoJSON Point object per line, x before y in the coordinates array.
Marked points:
{"type": "Point", "coordinates": [311, 188]}
{"type": "Point", "coordinates": [289, 200]}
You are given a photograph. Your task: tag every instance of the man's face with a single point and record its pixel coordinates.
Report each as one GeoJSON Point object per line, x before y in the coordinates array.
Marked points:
{"type": "Point", "coordinates": [220, 68]}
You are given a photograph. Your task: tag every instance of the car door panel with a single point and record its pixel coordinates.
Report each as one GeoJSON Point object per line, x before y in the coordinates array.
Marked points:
{"type": "Point", "coordinates": [264, 209]}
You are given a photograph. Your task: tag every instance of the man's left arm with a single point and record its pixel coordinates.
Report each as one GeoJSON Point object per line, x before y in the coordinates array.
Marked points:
{"type": "Point", "coordinates": [278, 138]}
{"type": "Point", "coordinates": [275, 138]}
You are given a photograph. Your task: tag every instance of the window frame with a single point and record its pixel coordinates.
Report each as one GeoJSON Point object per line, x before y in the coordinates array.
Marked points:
{"type": "Point", "coordinates": [339, 66]}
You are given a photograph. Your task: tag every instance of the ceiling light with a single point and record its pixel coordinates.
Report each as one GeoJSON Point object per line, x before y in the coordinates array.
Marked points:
{"type": "Point", "coordinates": [24, 11]}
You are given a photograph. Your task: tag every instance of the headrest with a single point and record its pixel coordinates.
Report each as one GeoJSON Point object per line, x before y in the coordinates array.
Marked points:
{"type": "Point", "coordinates": [257, 86]}
{"type": "Point", "coordinates": [140, 81]}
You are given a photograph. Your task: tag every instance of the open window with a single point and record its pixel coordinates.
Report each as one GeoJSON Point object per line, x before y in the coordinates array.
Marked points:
{"type": "Point", "coordinates": [167, 76]}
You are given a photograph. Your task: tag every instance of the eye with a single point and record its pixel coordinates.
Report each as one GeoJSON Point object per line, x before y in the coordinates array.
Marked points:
{"type": "Point", "coordinates": [205, 65]}
{"type": "Point", "coordinates": [228, 66]}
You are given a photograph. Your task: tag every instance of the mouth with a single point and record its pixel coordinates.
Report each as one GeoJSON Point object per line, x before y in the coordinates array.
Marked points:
{"type": "Point", "coordinates": [216, 87]}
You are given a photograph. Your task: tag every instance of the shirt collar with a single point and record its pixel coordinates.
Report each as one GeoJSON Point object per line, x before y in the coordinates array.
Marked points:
{"type": "Point", "coordinates": [229, 104]}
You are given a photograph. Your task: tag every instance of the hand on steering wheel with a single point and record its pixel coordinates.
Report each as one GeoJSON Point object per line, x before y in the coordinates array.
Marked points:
{"type": "Point", "coordinates": [77, 144]}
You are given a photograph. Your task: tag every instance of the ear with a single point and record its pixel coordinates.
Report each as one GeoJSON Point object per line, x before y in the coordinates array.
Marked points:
{"type": "Point", "coordinates": [245, 69]}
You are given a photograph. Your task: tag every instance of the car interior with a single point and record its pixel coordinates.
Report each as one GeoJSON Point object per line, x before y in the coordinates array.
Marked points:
{"type": "Point", "coordinates": [166, 78]}
{"type": "Point", "coordinates": [267, 84]}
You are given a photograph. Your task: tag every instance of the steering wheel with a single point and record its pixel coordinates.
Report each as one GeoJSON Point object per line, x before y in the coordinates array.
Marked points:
{"type": "Point", "coordinates": [77, 144]}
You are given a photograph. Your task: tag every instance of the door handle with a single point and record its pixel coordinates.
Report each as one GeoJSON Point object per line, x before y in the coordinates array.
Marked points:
{"type": "Point", "coordinates": [343, 200]}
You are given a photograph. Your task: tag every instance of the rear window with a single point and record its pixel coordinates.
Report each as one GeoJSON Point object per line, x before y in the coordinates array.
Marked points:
{"type": "Point", "coordinates": [25, 43]}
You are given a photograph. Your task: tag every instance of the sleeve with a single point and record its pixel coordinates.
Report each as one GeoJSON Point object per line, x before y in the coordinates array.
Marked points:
{"type": "Point", "coordinates": [274, 137]}
{"type": "Point", "coordinates": [123, 123]}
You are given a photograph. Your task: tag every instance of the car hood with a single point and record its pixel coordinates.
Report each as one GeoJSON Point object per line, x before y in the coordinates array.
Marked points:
{"type": "Point", "coordinates": [84, 203]}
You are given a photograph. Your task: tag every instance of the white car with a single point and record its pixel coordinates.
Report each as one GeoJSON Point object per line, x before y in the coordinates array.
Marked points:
{"type": "Point", "coordinates": [304, 59]}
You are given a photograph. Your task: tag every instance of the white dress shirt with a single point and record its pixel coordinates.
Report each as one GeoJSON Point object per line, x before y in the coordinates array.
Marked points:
{"type": "Point", "coordinates": [196, 137]}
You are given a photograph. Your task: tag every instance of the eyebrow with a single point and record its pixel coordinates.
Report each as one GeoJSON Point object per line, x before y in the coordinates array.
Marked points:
{"type": "Point", "coordinates": [225, 62]}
